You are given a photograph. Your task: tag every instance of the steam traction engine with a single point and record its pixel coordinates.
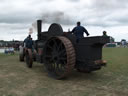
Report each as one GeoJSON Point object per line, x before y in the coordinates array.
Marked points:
{"type": "Point", "coordinates": [60, 53]}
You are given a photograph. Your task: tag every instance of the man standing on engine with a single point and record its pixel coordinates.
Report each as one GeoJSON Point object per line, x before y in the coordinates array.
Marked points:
{"type": "Point", "coordinates": [78, 31]}
{"type": "Point", "coordinates": [29, 42]}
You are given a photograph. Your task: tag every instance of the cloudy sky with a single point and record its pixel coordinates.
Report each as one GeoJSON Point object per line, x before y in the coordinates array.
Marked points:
{"type": "Point", "coordinates": [17, 16]}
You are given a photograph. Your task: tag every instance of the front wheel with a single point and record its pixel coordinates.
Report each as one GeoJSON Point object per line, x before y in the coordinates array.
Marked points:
{"type": "Point", "coordinates": [21, 54]}
{"type": "Point", "coordinates": [21, 57]}
{"type": "Point", "coordinates": [29, 58]}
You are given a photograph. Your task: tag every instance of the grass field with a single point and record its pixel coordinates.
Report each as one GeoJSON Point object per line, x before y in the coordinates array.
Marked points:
{"type": "Point", "coordinates": [17, 80]}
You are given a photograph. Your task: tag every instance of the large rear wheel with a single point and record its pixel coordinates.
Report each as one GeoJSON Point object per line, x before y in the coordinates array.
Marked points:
{"type": "Point", "coordinates": [59, 57]}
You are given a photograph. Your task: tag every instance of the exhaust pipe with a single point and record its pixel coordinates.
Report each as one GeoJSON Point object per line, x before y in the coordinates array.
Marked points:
{"type": "Point", "coordinates": [39, 27]}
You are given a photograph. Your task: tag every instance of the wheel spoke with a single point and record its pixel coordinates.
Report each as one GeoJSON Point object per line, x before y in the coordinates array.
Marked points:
{"type": "Point", "coordinates": [49, 46]}
{"type": "Point", "coordinates": [62, 52]}
{"type": "Point", "coordinates": [55, 45]}
{"type": "Point", "coordinates": [60, 47]}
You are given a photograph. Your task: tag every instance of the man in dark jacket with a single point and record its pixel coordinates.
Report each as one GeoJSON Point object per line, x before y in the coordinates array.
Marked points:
{"type": "Point", "coordinates": [29, 42]}
{"type": "Point", "coordinates": [78, 31]}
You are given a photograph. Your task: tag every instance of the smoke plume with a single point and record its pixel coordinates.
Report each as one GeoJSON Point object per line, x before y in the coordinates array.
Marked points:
{"type": "Point", "coordinates": [30, 31]}
{"type": "Point", "coordinates": [54, 17]}
{"type": "Point", "coordinates": [57, 17]}
{"type": "Point", "coordinates": [34, 25]}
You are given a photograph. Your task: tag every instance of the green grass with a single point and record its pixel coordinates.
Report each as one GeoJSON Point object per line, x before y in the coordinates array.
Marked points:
{"type": "Point", "coordinates": [18, 80]}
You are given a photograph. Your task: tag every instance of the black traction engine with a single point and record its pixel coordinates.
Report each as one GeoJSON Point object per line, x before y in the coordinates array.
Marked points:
{"type": "Point", "coordinates": [60, 53]}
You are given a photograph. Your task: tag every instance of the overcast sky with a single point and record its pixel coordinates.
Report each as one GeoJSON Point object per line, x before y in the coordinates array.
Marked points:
{"type": "Point", "coordinates": [17, 16]}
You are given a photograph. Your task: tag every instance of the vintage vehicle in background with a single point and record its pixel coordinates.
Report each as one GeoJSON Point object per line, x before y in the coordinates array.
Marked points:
{"type": "Point", "coordinates": [60, 53]}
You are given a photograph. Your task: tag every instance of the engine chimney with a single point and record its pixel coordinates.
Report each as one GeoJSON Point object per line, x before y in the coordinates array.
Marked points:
{"type": "Point", "coordinates": [39, 27]}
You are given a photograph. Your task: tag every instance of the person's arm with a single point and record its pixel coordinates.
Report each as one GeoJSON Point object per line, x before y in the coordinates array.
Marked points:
{"type": "Point", "coordinates": [85, 31]}
{"type": "Point", "coordinates": [73, 30]}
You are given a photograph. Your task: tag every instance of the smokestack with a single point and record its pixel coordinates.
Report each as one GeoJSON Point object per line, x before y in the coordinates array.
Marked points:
{"type": "Point", "coordinates": [39, 27]}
